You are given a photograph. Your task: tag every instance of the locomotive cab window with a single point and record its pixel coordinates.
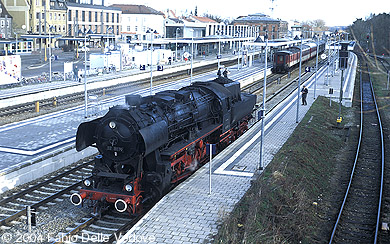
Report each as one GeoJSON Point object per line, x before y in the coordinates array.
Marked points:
{"type": "Point", "coordinates": [281, 58]}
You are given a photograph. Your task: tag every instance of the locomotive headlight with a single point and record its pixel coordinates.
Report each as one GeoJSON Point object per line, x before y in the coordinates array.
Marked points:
{"type": "Point", "coordinates": [112, 125]}
{"type": "Point", "coordinates": [87, 182]}
{"type": "Point", "coordinates": [128, 187]}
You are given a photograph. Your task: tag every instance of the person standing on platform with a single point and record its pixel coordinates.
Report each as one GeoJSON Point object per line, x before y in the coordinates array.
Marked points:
{"type": "Point", "coordinates": [219, 73]}
{"type": "Point", "coordinates": [304, 95]}
{"type": "Point", "coordinates": [225, 73]}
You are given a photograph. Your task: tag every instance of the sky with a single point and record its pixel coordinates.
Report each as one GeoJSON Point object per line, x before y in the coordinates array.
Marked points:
{"type": "Point", "coordinates": [333, 12]}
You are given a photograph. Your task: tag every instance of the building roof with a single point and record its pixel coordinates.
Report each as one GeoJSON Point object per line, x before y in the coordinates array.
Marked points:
{"type": "Point", "coordinates": [177, 21]}
{"type": "Point", "coordinates": [79, 5]}
{"type": "Point", "coordinates": [57, 4]}
{"type": "Point", "coordinates": [255, 18]}
{"type": "Point", "coordinates": [136, 9]}
{"type": "Point", "coordinates": [3, 11]}
{"type": "Point", "coordinates": [202, 19]}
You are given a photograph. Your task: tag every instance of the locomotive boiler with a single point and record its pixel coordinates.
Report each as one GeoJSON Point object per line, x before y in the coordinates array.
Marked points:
{"type": "Point", "coordinates": [150, 143]}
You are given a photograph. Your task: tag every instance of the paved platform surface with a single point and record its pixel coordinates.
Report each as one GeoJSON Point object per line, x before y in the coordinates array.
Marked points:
{"type": "Point", "coordinates": [189, 214]}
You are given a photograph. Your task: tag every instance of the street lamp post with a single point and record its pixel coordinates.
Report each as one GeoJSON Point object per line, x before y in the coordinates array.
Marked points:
{"type": "Point", "coordinates": [192, 54]}
{"type": "Point", "coordinates": [85, 78]}
{"type": "Point", "coordinates": [261, 163]}
{"type": "Point", "coordinates": [108, 44]}
{"type": "Point", "coordinates": [315, 81]}
{"type": "Point", "coordinates": [16, 45]}
{"type": "Point", "coordinates": [176, 44]}
{"type": "Point", "coordinates": [299, 80]}
{"type": "Point", "coordinates": [50, 52]}
{"type": "Point", "coordinates": [326, 81]}
{"type": "Point", "coordinates": [219, 47]}
{"type": "Point", "coordinates": [151, 58]}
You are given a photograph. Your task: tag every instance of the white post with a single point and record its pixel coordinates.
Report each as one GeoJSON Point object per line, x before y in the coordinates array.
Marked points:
{"type": "Point", "coordinates": [151, 62]}
{"type": "Point", "coordinates": [327, 70]}
{"type": "Point", "coordinates": [192, 54]}
{"type": "Point", "coordinates": [219, 48]}
{"type": "Point", "coordinates": [176, 46]}
{"type": "Point", "coordinates": [16, 36]}
{"type": "Point", "coordinates": [299, 82]}
{"type": "Point", "coordinates": [85, 78]}
{"type": "Point", "coordinates": [261, 163]}
{"type": "Point", "coordinates": [49, 54]}
{"type": "Point", "coordinates": [315, 81]}
{"type": "Point", "coordinates": [211, 158]}
{"type": "Point", "coordinates": [29, 218]}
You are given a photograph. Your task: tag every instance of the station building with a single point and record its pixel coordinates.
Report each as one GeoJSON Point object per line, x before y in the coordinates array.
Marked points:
{"type": "Point", "coordinates": [258, 24]}
{"type": "Point", "coordinates": [137, 19]}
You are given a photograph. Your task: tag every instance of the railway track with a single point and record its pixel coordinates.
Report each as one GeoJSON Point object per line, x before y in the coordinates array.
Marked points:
{"type": "Point", "coordinates": [109, 228]}
{"type": "Point", "coordinates": [358, 220]}
{"type": "Point", "coordinates": [110, 225]}
{"type": "Point", "coordinates": [43, 193]}
{"type": "Point", "coordinates": [72, 99]}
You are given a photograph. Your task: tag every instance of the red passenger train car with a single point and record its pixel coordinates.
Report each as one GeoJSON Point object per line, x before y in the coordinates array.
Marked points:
{"type": "Point", "coordinates": [286, 59]}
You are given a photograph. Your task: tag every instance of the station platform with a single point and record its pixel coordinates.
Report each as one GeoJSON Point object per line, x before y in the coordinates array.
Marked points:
{"type": "Point", "coordinates": [189, 213]}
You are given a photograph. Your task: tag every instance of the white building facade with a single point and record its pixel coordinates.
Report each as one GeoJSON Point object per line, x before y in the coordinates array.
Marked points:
{"type": "Point", "coordinates": [138, 21]}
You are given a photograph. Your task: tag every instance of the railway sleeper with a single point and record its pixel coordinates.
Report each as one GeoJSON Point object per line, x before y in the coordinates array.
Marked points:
{"type": "Point", "coordinates": [357, 215]}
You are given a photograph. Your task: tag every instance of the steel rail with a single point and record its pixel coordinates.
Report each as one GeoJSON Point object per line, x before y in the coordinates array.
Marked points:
{"type": "Point", "coordinates": [12, 217]}
{"type": "Point", "coordinates": [356, 159]}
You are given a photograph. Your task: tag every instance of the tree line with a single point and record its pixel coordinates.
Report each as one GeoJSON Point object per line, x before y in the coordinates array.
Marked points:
{"type": "Point", "coordinates": [372, 34]}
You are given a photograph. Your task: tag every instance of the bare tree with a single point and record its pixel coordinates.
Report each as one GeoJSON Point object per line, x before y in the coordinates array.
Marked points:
{"type": "Point", "coordinates": [372, 34]}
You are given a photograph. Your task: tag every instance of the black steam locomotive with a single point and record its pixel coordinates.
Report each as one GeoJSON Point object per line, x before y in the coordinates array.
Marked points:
{"type": "Point", "coordinates": [150, 143]}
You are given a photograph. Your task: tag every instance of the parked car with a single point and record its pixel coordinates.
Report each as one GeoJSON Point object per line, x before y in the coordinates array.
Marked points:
{"type": "Point", "coordinates": [84, 49]}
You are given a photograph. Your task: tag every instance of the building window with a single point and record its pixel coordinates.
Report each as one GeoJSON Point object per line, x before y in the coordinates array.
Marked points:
{"type": "Point", "coordinates": [107, 17]}
{"type": "Point", "coordinates": [70, 29]}
{"type": "Point", "coordinates": [38, 14]}
{"type": "Point", "coordinates": [83, 16]}
{"type": "Point", "coordinates": [55, 16]}
{"type": "Point", "coordinates": [70, 15]}
{"type": "Point", "coordinates": [90, 16]}
{"type": "Point", "coordinates": [112, 17]}
{"type": "Point", "coordinates": [50, 16]}
{"type": "Point", "coordinates": [128, 28]}
{"type": "Point", "coordinates": [77, 15]}
{"type": "Point", "coordinates": [136, 28]}
{"type": "Point", "coordinates": [96, 18]}
{"type": "Point", "coordinates": [117, 18]}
